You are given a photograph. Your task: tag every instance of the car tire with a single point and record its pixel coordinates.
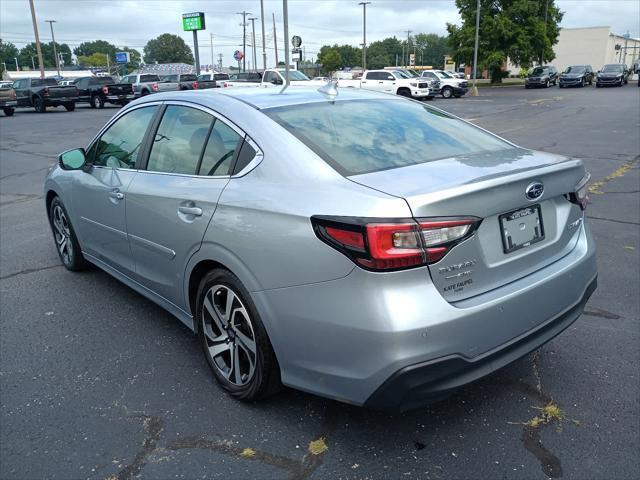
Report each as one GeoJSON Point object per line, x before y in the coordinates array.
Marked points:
{"type": "Point", "coordinates": [404, 92]}
{"type": "Point", "coordinates": [65, 237]}
{"type": "Point", "coordinates": [70, 107]}
{"type": "Point", "coordinates": [546, 85]}
{"type": "Point", "coordinates": [9, 111]}
{"type": "Point", "coordinates": [229, 329]}
{"type": "Point", "coordinates": [39, 105]}
{"type": "Point", "coordinates": [582, 83]}
{"type": "Point", "coordinates": [527, 87]}
{"type": "Point", "coordinates": [93, 103]}
{"type": "Point", "coordinates": [144, 92]}
{"type": "Point", "coordinates": [447, 92]}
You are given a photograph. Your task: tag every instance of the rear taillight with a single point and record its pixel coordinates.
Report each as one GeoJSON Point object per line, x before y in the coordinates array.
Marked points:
{"type": "Point", "coordinates": [581, 194]}
{"type": "Point", "coordinates": [155, 87]}
{"type": "Point", "coordinates": [225, 85]}
{"type": "Point", "coordinates": [393, 245]}
{"type": "Point", "coordinates": [105, 90]}
{"type": "Point", "coordinates": [13, 94]}
{"type": "Point", "coordinates": [195, 85]}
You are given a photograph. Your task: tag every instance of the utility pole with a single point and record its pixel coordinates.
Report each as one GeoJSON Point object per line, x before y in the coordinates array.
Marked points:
{"type": "Point", "coordinates": [474, 90]}
{"type": "Point", "coordinates": [17, 66]}
{"type": "Point", "coordinates": [53, 39]}
{"type": "Point", "coordinates": [275, 39]}
{"type": "Point", "coordinates": [364, 34]}
{"type": "Point", "coordinates": [220, 61]}
{"type": "Point", "coordinates": [253, 41]}
{"type": "Point", "coordinates": [285, 19]}
{"type": "Point", "coordinates": [33, 63]}
{"type": "Point", "coordinates": [244, 37]}
{"type": "Point", "coordinates": [264, 51]}
{"type": "Point", "coordinates": [213, 61]}
{"type": "Point", "coordinates": [35, 32]}
{"type": "Point", "coordinates": [408, 38]}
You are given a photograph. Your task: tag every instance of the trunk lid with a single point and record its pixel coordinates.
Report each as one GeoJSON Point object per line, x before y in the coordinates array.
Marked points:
{"type": "Point", "coordinates": [489, 186]}
{"type": "Point", "coordinates": [60, 91]}
{"type": "Point", "coordinates": [120, 89]}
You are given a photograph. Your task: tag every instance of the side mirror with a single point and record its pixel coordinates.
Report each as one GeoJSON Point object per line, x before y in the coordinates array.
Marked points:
{"type": "Point", "coordinates": [73, 159]}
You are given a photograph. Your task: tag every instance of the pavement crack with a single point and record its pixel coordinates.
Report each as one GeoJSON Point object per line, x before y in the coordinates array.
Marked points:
{"type": "Point", "coordinates": [29, 270]}
{"type": "Point", "coordinates": [612, 220]}
{"type": "Point", "coordinates": [598, 312]}
{"type": "Point", "coordinates": [23, 197]}
{"type": "Point", "coordinates": [153, 427]}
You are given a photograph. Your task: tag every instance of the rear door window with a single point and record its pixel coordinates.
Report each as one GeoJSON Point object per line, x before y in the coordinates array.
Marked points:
{"type": "Point", "coordinates": [178, 143]}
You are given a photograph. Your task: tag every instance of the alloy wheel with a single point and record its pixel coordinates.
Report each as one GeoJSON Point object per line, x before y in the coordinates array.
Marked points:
{"type": "Point", "coordinates": [62, 234]}
{"type": "Point", "coordinates": [229, 335]}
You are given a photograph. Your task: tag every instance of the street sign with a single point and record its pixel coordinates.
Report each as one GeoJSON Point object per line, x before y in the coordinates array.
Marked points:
{"type": "Point", "coordinates": [193, 21]}
{"type": "Point", "coordinates": [238, 55]}
{"type": "Point", "coordinates": [296, 41]}
{"type": "Point", "coordinates": [296, 55]}
{"type": "Point", "coordinates": [123, 57]}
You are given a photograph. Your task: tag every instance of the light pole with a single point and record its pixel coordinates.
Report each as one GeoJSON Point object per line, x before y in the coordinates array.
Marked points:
{"type": "Point", "coordinates": [53, 39]}
{"type": "Point", "coordinates": [33, 62]}
{"type": "Point", "coordinates": [474, 91]}
{"type": "Point", "coordinates": [253, 42]}
{"type": "Point", "coordinates": [264, 51]}
{"type": "Point", "coordinates": [544, 40]}
{"type": "Point", "coordinates": [244, 37]}
{"type": "Point", "coordinates": [364, 34]}
{"type": "Point", "coordinates": [17, 67]}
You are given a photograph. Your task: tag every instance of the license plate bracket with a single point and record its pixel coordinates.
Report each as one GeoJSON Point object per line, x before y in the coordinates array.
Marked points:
{"type": "Point", "coordinates": [521, 228]}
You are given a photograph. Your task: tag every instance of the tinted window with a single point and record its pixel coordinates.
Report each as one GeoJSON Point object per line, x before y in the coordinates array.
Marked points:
{"type": "Point", "coordinates": [374, 75]}
{"type": "Point", "coordinates": [247, 153]}
{"type": "Point", "coordinates": [221, 146]}
{"type": "Point", "coordinates": [121, 144]}
{"type": "Point", "coordinates": [220, 76]}
{"type": "Point", "coordinates": [43, 82]}
{"type": "Point", "coordinates": [270, 77]}
{"type": "Point", "coordinates": [171, 78]}
{"type": "Point", "coordinates": [188, 78]}
{"type": "Point", "coordinates": [361, 136]}
{"type": "Point", "coordinates": [179, 140]}
{"type": "Point", "coordinates": [129, 79]}
{"type": "Point", "coordinates": [104, 80]}
{"type": "Point", "coordinates": [149, 78]}
{"type": "Point", "coordinates": [612, 68]}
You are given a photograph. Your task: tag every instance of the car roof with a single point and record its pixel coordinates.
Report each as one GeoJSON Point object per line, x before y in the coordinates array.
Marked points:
{"type": "Point", "coordinates": [271, 97]}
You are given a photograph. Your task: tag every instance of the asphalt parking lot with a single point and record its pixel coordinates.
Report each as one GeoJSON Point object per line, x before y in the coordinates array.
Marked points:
{"type": "Point", "coordinates": [98, 382]}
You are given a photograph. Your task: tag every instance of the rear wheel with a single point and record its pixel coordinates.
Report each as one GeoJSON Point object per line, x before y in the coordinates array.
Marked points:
{"type": "Point", "coordinates": [38, 105]}
{"type": "Point", "coordinates": [65, 237]}
{"type": "Point", "coordinates": [70, 107]}
{"type": "Point", "coordinates": [8, 111]}
{"type": "Point", "coordinates": [447, 92]}
{"type": "Point", "coordinates": [404, 92]}
{"type": "Point", "coordinates": [233, 338]}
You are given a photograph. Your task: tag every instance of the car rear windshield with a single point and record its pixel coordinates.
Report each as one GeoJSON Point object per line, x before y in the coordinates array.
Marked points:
{"type": "Point", "coordinates": [220, 76]}
{"type": "Point", "coordinates": [188, 78]}
{"type": "Point", "coordinates": [362, 136]}
{"type": "Point", "coordinates": [105, 80]}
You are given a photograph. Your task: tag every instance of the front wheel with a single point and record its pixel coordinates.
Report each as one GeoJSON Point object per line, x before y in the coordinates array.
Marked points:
{"type": "Point", "coordinates": [581, 82]}
{"type": "Point", "coordinates": [70, 107]}
{"type": "Point", "coordinates": [9, 111]}
{"type": "Point", "coordinates": [447, 92]}
{"type": "Point", "coordinates": [546, 84]}
{"type": "Point", "coordinates": [65, 237]}
{"type": "Point", "coordinates": [233, 338]}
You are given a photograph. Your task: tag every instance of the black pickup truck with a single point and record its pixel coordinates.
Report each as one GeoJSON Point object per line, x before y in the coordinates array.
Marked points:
{"type": "Point", "coordinates": [189, 81]}
{"type": "Point", "coordinates": [100, 90]}
{"type": "Point", "coordinates": [41, 93]}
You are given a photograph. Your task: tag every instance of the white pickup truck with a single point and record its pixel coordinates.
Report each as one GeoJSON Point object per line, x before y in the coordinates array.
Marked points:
{"type": "Point", "coordinates": [275, 77]}
{"type": "Point", "coordinates": [390, 81]}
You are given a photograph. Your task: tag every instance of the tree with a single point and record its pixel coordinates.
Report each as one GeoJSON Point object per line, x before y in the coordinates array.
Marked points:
{"type": "Point", "coordinates": [86, 49]}
{"type": "Point", "coordinates": [167, 48]}
{"type": "Point", "coordinates": [135, 59]}
{"type": "Point", "coordinates": [330, 59]}
{"type": "Point", "coordinates": [93, 60]}
{"type": "Point", "coordinates": [8, 52]}
{"type": "Point", "coordinates": [509, 29]}
{"type": "Point", "coordinates": [28, 56]}
{"type": "Point", "coordinates": [431, 49]}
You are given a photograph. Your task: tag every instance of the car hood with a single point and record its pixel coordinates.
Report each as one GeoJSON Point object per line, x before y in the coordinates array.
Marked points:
{"type": "Point", "coordinates": [572, 75]}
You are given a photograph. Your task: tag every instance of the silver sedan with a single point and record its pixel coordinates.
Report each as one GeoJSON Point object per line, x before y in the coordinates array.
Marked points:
{"type": "Point", "coordinates": [363, 247]}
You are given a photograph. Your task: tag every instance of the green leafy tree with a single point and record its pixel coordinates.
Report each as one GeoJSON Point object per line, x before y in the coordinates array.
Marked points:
{"type": "Point", "coordinates": [509, 29]}
{"type": "Point", "coordinates": [8, 51]}
{"type": "Point", "coordinates": [431, 49]}
{"type": "Point", "coordinates": [93, 60]}
{"type": "Point", "coordinates": [86, 49]}
{"type": "Point", "coordinates": [135, 59]}
{"type": "Point", "coordinates": [167, 48]}
{"type": "Point", "coordinates": [330, 60]}
{"type": "Point", "coordinates": [29, 51]}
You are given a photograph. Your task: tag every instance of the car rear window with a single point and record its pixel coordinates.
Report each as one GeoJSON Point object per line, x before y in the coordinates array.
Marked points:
{"type": "Point", "coordinates": [44, 82]}
{"type": "Point", "coordinates": [362, 136]}
{"type": "Point", "coordinates": [149, 78]}
{"type": "Point", "coordinates": [220, 76]}
{"type": "Point", "coordinates": [188, 78]}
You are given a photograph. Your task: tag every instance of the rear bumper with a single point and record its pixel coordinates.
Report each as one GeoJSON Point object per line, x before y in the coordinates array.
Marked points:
{"type": "Point", "coordinates": [425, 382]}
{"type": "Point", "coordinates": [54, 102]}
{"type": "Point", "coordinates": [118, 98]}
{"type": "Point", "coordinates": [10, 103]}
{"type": "Point", "coordinates": [344, 339]}
{"type": "Point", "coordinates": [421, 92]}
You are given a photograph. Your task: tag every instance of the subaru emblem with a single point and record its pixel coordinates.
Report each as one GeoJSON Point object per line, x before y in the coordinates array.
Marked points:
{"type": "Point", "coordinates": [534, 191]}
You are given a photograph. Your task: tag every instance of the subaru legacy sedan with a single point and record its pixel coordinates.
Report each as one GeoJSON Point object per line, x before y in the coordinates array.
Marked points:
{"type": "Point", "coordinates": [363, 247]}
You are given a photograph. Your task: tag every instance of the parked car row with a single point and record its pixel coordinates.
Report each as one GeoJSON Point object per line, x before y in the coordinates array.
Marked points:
{"type": "Point", "coordinates": [613, 74]}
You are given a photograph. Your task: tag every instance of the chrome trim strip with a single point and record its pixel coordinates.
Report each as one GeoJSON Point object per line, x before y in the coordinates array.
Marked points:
{"type": "Point", "coordinates": [106, 227]}
{"type": "Point", "coordinates": [153, 246]}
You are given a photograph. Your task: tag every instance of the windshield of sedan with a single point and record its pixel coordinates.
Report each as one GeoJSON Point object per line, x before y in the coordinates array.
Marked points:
{"type": "Point", "coordinates": [295, 75]}
{"type": "Point", "coordinates": [575, 69]}
{"type": "Point", "coordinates": [362, 136]}
{"type": "Point", "coordinates": [612, 68]}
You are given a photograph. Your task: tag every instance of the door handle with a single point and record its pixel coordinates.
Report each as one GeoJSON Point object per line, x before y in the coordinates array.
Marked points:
{"type": "Point", "coordinates": [118, 195]}
{"type": "Point", "coordinates": [195, 211]}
